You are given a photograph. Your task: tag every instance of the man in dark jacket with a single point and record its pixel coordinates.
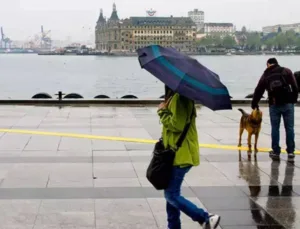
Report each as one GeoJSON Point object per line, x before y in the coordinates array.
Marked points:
{"type": "Point", "coordinates": [282, 94]}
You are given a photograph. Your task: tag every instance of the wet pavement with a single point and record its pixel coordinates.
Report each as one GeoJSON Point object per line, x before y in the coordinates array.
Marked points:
{"type": "Point", "coordinates": [60, 182]}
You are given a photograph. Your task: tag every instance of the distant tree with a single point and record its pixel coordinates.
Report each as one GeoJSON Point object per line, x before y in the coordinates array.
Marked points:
{"type": "Point", "coordinates": [269, 43]}
{"type": "Point", "coordinates": [242, 40]}
{"type": "Point", "coordinates": [281, 41]}
{"type": "Point", "coordinates": [206, 41]}
{"type": "Point", "coordinates": [217, 39]}
{"type": "Point", "coordinates": [291, 37]}
{"type": "Point", "coordinates": [254, 41]}
{"type": "Point", "coordinates": [228, 41]}
{"type": "Point", "coordinates": [244, 30]}
{"type": "Point", "coordinates": [279, 30]}
{"type": "Point", "coordinates": [297, 42]}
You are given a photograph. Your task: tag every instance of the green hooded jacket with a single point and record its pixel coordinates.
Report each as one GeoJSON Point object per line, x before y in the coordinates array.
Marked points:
{"type": "Point", "coordinates": [174, 119]}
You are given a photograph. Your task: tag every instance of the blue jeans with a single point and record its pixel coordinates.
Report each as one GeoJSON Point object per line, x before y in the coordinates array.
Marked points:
{"type": "Point", "coordinates": [287, 112]}
{"type": "Point", "coordinates": [177, 203]}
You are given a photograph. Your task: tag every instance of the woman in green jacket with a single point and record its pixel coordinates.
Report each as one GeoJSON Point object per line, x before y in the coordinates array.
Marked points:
{"type": "Point", "coordinates": [174, 114]}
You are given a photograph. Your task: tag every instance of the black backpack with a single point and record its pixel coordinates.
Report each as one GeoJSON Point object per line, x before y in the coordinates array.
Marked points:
{"type": "Point", "coordinates": [278, 88]}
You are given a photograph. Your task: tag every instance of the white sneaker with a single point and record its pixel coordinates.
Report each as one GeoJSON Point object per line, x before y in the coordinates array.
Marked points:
{"type": "Point", "coordinates": [213, 222]}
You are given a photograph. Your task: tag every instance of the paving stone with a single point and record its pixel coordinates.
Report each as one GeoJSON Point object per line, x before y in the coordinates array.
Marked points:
{"type": "Point", "coordinates": [14, 142]}
{"type": "Point", "coordinates": [133, 213]}
{"type": "Point", "coordinates": [75, 153]}
{"type": "Point", "coordinates": [253, 217]}
{"type": "Point", "coordinates": [109, 153]}
{"type": "Point", "coordinates": [10, 153]}
{"type": "Point", "coordinates": [66, 214]}
{"type": "Point", "coordinates": [100, 145]}
{"type": "Point", "coordinates": [38, 153]}
{"type": "Point", "coordinates": [114, 170]}
{"type": "Point", "coordinates": [29, 121]}
{"type": "Point", "coordinates": [70, 205]}
{"type": "Point", "coordinates": [18, 213]}
{"type": "Point", "coordinates": [71, 175]}
{"type": "Point", "coordinates": [43, 143]}
{"type": "Point", "coordinates": [64, 226]}
{"type": "Point", "coordinates": [223, 191]}
{"type": "Point", "coordinates": [138, 146]}
{"type": "Point", "coordinates": [68, 144]}
{"type": "Point", "coordinates": [230, 203]}
{"type": "Point", "coordinates": [66, 220]}
{"type": "Point", "coordinates": [27, 175]}
{"type": "Point", "coordinates": [117, 182]}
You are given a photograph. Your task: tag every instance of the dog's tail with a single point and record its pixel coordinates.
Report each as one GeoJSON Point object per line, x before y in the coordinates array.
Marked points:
{"type": "Point", "coordinates": [242, 111]}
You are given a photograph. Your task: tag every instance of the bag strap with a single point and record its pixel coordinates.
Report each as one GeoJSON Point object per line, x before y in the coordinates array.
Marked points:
{"type": "Point", "coordinates": [283, 74]}
{"type": "Point", "coordinates": [185, 130]}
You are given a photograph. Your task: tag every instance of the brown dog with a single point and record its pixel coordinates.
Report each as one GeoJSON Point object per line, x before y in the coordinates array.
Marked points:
{"type": "Point", "coordinates": [251, 123]}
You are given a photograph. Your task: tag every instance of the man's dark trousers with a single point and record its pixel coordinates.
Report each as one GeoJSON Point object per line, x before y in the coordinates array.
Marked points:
{"type": "Point", "coordinates": [287, 112]}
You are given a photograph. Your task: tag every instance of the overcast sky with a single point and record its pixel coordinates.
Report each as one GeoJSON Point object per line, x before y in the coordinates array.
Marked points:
{"type": "Point", "coordinates": [76, 18]}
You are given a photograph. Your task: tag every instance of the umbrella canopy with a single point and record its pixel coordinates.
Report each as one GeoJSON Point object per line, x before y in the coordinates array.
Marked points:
{"type": "Point", "coordinates": [185, 76]}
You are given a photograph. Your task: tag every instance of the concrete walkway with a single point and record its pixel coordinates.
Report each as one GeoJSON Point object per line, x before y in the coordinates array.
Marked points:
{"type": "Point", "coordinates": [59, 182]}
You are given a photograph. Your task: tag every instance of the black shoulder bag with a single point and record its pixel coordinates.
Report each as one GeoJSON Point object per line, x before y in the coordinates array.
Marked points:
{"type": "Point", "coordinates": [159, 171]}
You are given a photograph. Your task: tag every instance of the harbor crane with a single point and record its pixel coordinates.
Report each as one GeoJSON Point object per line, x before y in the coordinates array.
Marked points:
{"type": "Point", "coordinates": [42, 40]}
{"type": "Point", "coordinates": [46, 41]}
{"type": "Point", "coordinates": [5, 41]}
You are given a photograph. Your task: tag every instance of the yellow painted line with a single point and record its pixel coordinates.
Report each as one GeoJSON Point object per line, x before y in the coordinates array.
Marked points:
{"type": "Point", "coordinates": [122, 139]}
{"type": "Point", "coordinates": [86, 136]}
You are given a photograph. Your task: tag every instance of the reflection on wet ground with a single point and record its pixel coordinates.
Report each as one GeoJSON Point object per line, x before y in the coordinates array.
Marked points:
{"type": "Point", "coordinates": [262, 212]}
{"type": "Point", "coordinates": [60, 182]}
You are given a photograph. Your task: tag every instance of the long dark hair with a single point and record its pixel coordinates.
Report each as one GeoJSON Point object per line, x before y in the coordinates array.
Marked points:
{"type": "Point", "coordinates": [168, 93]}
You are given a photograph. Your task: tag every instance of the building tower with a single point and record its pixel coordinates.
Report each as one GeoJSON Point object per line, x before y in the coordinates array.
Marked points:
{"type": "Point", "coordinates": [101, 19]}
{"type": "Point", "coordinates": [198, 17]}
{"type": "Point", "coordinates": [99, 35]}
{"type": "Point", "coordinates": [114, 15]}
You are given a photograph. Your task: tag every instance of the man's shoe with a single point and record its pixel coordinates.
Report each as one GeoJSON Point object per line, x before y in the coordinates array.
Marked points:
{"type": "Point", "coordinates": [291, 157]}
{"type": "Point", "coordinates": [213, 222]}
{"type": "Point", "coordinates": [274, 156]}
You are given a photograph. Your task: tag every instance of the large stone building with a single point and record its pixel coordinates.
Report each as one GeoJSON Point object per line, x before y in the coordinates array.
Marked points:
{"type": "Point", "coordinates": [284, 28]}
{"type": "Point", "coordinates": [115, 35]}
{"type": "Point", "coordinates": [198, 17]}
{"type": "Point", "coordinates": [221, 28]}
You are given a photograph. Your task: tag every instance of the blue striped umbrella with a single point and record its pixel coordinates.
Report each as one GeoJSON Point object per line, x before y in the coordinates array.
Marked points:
{"type": "Point", "coordinates": [185, 76]}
